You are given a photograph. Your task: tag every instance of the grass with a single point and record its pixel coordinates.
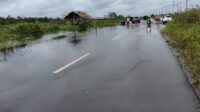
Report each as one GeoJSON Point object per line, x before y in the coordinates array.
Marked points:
{"type": "Point", "coordinates": [9, 46]}
{"type": "Point", "coordinates": [106, 22]}
{"type": "Point", "coordinates": [184, 34]}
{"type": "Point", "coordinates": [14, 35]}
{"type": "Point", "coordinates": [35, 30]}
{"type": "Point", "coordinates": [20, 33]}
{"type": "Point", "coordinates": [59, 37]}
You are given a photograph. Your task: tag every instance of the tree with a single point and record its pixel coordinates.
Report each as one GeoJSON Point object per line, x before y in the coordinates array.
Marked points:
{"type": "Point", "coordinates": [10, 19]}
{"type": "Point", "coordinates": [2, 21]}
{"type": "Point", "coordinates": [120, 17]}
{"type": "Point", "coordinates": [19, 18]}
{"type": "Point", "coordinates": [112, 15]}
{"type": "Point", "coordinates": [152, 15]}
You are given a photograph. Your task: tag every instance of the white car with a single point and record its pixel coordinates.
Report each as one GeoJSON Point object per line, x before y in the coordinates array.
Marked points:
{"type": "Point", "coordinates": [166, 19]}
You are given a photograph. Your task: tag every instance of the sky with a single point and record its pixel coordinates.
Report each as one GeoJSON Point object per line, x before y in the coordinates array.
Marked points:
{"type": "Point", "coordinates": [96, 8]}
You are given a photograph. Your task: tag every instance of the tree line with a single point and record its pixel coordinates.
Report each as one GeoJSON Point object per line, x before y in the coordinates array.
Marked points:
{"type": "Point", "coordinates": [13, 20]}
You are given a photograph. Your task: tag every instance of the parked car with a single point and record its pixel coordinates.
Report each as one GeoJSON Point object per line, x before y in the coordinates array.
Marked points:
{"type": "Point", "coordinates": [158, 18]}
{"type": "Point", "coordinates": [135, 20]}
{"type": "Point", "coordinates": [145, 18]}
{"type": "Point", "coordinates": [166, 19]}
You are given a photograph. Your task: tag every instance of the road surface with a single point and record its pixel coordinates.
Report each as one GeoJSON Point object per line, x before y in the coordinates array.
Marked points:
{"type": "Point", "coordinates": [115, 69]}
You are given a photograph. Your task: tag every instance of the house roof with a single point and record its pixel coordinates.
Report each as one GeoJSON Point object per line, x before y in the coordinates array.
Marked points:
{"type": "Point", "coordinates": [82, 14]}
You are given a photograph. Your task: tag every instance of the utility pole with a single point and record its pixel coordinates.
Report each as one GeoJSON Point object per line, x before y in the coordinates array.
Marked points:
{"type": "Point", "coordinates": [186, 5]}
{"type": "Point", "coordinates": [197, 6]}
{"type": "Point", "coordinates": [173, 6]}
{"type": "Point", "coordinates": [180, 7]}
{"type": "Point", "coordinates": [165, 10]}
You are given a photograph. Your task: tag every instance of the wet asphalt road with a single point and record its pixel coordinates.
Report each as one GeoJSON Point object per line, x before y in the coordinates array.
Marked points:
{"type": "Point", "coordinates": [129, 70]}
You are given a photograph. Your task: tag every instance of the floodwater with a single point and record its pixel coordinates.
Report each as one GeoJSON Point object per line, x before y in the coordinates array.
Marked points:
{"type": "Point", "coordinates": [129, 70]}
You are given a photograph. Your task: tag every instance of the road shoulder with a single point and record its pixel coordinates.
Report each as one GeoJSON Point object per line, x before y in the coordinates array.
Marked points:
{"type": "Point", "coordinates": [186, 71]}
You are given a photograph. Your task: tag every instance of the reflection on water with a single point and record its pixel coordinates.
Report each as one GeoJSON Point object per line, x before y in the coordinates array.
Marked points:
{"type": "Point", "coordinates": [71, 39]}
{"type": "Point", "coordinates": [75, 41]}
{"type": "Point", "coordinates": [7, 52]}
{"type": "Point", "coordinates": [33, 63]}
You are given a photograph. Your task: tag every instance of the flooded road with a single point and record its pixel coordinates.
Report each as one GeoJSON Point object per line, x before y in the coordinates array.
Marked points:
{"type": "Point", "coordinates": [115, 69]}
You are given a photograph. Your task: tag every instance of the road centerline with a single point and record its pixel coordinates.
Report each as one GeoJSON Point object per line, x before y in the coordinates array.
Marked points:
{"type": "Point", "coordinates": [71, 63]}
{"type": "Point", "coordinates": [115, 38]}
{"type": "Point", "coordinates": [118, 36]}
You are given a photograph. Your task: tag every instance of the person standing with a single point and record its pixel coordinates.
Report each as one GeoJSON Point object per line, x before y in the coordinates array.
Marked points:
{"type": "Point", "coordinates": [149, 24]}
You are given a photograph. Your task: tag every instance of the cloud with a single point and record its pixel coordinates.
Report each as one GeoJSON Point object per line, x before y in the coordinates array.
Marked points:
{"type": "Point", "coordinates": [59, 8]}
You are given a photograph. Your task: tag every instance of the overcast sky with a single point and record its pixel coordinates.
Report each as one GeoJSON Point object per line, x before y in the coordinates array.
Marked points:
{"type": "Point", "coordinates": [98, 8]}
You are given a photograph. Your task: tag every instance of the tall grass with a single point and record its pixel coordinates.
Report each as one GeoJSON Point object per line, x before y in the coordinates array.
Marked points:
{"type": "Point", "coordinates": [184, 34]}
{"type": "Point", "coordinates": [22, 31]}
{"type": "Point", "coordinates": [107, 22]}
{"type": "Point", "coordinates": [28, 30]}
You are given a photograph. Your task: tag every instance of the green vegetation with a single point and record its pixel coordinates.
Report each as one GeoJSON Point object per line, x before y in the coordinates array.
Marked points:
{"type": "Point", "coordinates": [184, 34]}
{"type": "Point", "coordinates": [28, 30]}
{"type": "Point", "coordinates": [14, 35]}
{"type": "Point", "coordinates": [107, 22]}
{"type": "Point", "coordinates": [59, 37]}
{"type": "Point", "coordinates": [15, 32]}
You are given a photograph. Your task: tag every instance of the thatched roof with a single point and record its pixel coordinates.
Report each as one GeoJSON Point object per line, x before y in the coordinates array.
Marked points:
{"type": "Point", "coordinates": [81, 14]}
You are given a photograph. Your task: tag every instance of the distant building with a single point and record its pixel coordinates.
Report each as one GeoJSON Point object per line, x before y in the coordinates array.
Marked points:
{"type": "Point", "coordinates": [78, 15]}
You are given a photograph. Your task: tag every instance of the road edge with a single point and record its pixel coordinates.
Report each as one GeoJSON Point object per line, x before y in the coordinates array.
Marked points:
{"type": "Point", "coordinates": [186, 71]}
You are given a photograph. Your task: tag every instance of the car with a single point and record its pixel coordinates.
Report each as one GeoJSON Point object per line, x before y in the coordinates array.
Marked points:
{"type": "Point", "coordinates": [158, 18]}
{"type": "Point", "coordinates": [135, 20]}
{"type": "Point", "coordinates": [145, 18]}
{"type": "Point", "coordinates": [166, 19]}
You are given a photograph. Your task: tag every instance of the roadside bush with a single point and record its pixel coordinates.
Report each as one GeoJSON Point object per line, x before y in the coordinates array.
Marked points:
{"type": "Point", "coordinates": [107, 22]}
{"type": "Point", "coordinates": [184, 34]}
{"type": "Point", "coordinates": [190, 17]}
{"type": "Point", "coordinates": [49, 28]}
{"type": "Point", "coordinates": [83, 25]}
{"type": "Point", "coordinates": [2, 22]}
{"type": "Point", "coordinates": [28, 29]}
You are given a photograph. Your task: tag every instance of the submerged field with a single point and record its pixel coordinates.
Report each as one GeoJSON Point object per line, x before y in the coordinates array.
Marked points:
{"type": "Point", "coordinates": [20, 33]}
